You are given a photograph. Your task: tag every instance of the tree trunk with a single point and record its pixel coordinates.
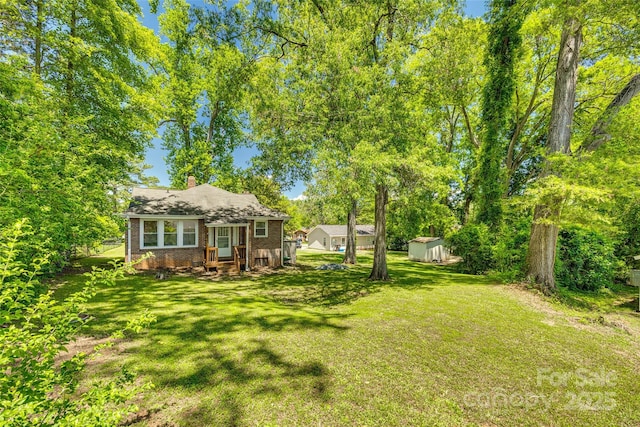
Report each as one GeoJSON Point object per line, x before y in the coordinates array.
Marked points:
{"type": "Point", "coordinates": [379, 270]}
{"type": "Point", "coordinates": [544, 230]}
{"type": "Point", "coordinates": [466, 211]}
{"type": "Point", "coordinates": [215, 111]}
{"type": "Point", "coordinates": [564, 91]}
{"type": "Point", "coordinates": [541, 255]}
{"type": "Point", "coordinates": [350, 250]}
{"type": "Point", "coordinates": [38, 39]}
{"type": "Point", "coordinates": [599, 134]}
{"type": "Point", "coordinates": [73, 22]}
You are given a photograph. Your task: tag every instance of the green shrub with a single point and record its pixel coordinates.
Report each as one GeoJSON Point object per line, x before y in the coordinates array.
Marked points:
{"type": "Point", "coordinates": [36, 388]}
{"type": "Point", "coordinates": [473, 243]}
{"type": "Point", "coordinates": [585, 260]}
{"type": "Point", "coordinates": [510, 249]}
{"type": "Point", "coordinates": [398, 244]}
{"type": "Point", "coordinates": [628, 243]}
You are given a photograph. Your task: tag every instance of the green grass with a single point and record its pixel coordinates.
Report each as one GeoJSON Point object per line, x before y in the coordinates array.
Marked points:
{"type": "Point", "coordinates": [618, 298]}
{"type": "Point", "coordinates": [309, 347]}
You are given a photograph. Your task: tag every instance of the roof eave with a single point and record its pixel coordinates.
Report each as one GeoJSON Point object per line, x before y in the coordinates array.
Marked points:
{"type": "Point", "coordinates": [270, 218]}
{"type": "Point", "coordinates": [129, 215]}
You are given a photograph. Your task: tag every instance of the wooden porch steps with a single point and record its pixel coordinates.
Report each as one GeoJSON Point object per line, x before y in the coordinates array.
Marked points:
{"type": "Point", "coordinates": [227, 267]}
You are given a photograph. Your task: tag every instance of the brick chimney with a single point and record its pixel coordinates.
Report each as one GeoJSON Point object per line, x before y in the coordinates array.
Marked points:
{"type": "Point", "coordinates": [191, 181]}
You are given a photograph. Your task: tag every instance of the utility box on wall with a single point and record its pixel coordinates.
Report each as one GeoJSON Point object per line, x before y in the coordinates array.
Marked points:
{"type": "Point", "coordinates": [635, 277]}
{"type": "Point", "coordinates": [635, 281]}
{"type": "Point", "coordinates": [289, 252]}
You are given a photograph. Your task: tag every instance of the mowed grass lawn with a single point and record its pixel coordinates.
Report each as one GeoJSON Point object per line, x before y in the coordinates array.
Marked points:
{"type": "Point", "coordinates": [329, 348]}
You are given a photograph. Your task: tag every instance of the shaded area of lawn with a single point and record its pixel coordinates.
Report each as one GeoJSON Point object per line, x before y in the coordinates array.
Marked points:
{"type": "Point", "coordinates": [310, 347]}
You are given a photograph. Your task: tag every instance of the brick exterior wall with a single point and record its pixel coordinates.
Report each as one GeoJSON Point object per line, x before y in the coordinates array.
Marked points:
{"type": "Point", "coordinates": [165, 258]}
{"type": "Point", "coordinates": [266, 251]}
{"type": "Point", "coordinates": [263, 251]}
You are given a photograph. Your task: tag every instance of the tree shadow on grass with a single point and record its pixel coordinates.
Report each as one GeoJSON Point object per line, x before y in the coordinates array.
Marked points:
{"type": "Point", "coordinates": [228, 341]}
{"type": "Point", "coordinates": [222, 337]}
{"type": "Point", "coordinates": [306, 286]}
{"type": "Point", "coordinates": [255, 371]}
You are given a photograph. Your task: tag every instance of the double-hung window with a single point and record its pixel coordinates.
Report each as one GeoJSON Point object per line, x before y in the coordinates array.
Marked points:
{"type": "Point", "coordinates": [189, 233]}
{"type": "Point", "coordinates": [260, 229]}
{"type": "Point", "coordinates": [169, 233]}
{"type": "Point", "coordinates": [150, 237]}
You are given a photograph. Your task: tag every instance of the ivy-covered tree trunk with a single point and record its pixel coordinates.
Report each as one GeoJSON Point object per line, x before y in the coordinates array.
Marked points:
{"type": "Point", "coordinates": [544, 230]}
{"type": "Point", "coordinates": [37, 51]}
{"type": "Point", "coordinates": [506, 19]}
{"type": "Point", "coordinates": [379, 270]}
{"type": "Point", "coordinates": [350, 250]}
{"type": "Point", "coordinates": [69, 80]}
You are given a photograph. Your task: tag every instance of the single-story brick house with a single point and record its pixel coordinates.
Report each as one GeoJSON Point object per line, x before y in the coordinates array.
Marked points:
{"type": "Point", "coordinates": [334, 237]}
{"type": "Point", "coordinates": [202, 225]}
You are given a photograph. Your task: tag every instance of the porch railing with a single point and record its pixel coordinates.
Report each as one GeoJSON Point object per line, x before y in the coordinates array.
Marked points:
{"type": "Point", "coordinates": [211, 257]}
{"type": "Point", "coordinates": [240, 256]}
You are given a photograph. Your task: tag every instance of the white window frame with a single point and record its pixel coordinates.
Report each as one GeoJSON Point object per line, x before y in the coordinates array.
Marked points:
{"type": "Point", "coordinates": [160, 231]}
{"type": "Point", "coordinates": [143, 234]}
{"type": "Point", "coordinates": [255, 228]}
{"type": "Point", "coordinates": [177, 233]}
{"type": "Point", "coordinates": [181, 233]}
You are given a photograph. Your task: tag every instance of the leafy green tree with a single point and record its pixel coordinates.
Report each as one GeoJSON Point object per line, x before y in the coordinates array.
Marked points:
{"type": "Point", "coordinates": [629, 228]}
{"type": "Point", "coordinates": [449, 72]}
{"type": "Point", "coordinates": [39, 386]}
{"type": "Point", "coordinates": [77, 114]}
{"type": "Point", "coordinates": [505, 21]}
{"type": "Point", "coordinates": [342, 88]}
{"type": "Point", "coordinates": [585, 260]}
{"type": "Point", "coordinates": [204, 77]}
{"type": "Point", "coordinates": [315, 129]}
{"type": "Point", "coordinates": [570, 182]}
{"type": "Point", "coordinates": [473, 244]}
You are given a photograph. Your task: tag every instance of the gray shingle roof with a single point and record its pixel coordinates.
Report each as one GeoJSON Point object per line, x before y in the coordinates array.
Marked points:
{"type": "Point", "coordinates": [341, 230]}
{"type": "Point", "coordinates": [424, 239]}
{"type": "Point", "coordinates": [213, 204]}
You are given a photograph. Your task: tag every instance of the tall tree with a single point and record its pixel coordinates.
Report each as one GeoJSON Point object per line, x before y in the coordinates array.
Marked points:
{"type": "Point", "coordinates": [347, 91]}
{"type": "Point", "coordinates": [207, 66]}
{"type": "Point", "coordinates": [505, 21]}
{"type": "Point", "coordinates": [544, 231]}
{"type": "Point", "coordinates": [566, 178]}
{"type": "Point", "coordinates": [77, 113]}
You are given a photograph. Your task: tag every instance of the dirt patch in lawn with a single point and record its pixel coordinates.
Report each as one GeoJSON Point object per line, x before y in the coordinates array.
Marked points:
{"type": "Point", "coordinates": [595, 322]}
{"type": "Point", "coordinates": [108, 350]}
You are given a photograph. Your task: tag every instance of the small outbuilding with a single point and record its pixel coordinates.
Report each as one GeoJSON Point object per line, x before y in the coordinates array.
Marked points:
{"type": "Point", "coordinates": [428, 249]}
{"type": "Point", "coordinates": [334, 237]}
{"type": "Point", "coordinates": [300, 234]}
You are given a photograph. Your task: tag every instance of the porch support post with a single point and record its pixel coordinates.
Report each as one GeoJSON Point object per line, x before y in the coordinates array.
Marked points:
{"type": "Point", "coordinates": [281, 243]}
{"type": "Point", "coordinates": [248, 247]}
{"type": "Point", "coordinates": [128, 240]}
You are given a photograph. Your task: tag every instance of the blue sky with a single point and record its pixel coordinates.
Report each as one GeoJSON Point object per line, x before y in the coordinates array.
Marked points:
{"type": "Point", "coordinates": [242, 156]}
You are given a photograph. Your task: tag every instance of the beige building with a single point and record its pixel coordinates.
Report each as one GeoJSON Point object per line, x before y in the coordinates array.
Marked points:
{"type": "Point", "coordinates": [334, 237]}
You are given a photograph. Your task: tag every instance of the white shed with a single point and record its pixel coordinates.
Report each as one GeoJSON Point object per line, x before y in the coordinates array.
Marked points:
{"type": "Point", "coordinates": [428, 249]}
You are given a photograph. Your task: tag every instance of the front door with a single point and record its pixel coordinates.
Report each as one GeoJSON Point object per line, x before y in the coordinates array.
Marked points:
{"type": "Point", "coordinates": [224, 242]}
